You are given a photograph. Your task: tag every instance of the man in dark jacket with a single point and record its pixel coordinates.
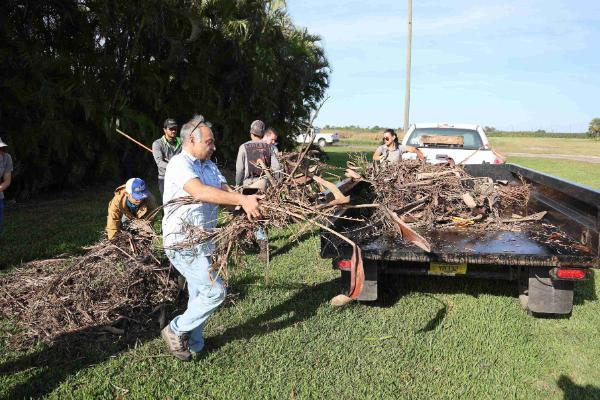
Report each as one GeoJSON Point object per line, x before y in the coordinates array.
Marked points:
{"type": "Point", "coordinates": [164, 149]}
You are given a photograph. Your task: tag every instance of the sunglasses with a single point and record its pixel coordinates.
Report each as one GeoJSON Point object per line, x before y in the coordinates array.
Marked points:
{"type": "Point", "coordinates": [173, 129]}
{"type": "Point", "coordinates": [387, 139]}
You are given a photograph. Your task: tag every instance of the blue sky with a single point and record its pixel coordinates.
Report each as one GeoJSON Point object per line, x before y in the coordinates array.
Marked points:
{"type": "Point", "coordinates": [527, 64]}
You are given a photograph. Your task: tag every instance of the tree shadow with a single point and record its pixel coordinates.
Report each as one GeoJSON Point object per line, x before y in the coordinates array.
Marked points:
{"type": "Point", "coordinates": [572, 391]}
{"type": "Point", "coordinates": [75, 351]}
{"type": "Point", "coordinates": [67, 355]}
{"type": "Point", "coordinates": [392, 287]}
{"type": "Point", "coordinates": [300, 307]}
{"type": "Point", "coordinates": [438, 318]}
{"type": "Point", "coordinates": [290, 244]}
{"type": "Point", "coordinates": [585, 291]}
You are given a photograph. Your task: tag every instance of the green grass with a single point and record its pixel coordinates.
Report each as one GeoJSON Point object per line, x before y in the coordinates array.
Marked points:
{"type": "Point", "coordinates": [43, 229]}
{"type": "Point", "coordinates": [573, 146]}
{"type": "Point", "coordinates": [575, 171]}
{"type": "Point", "coordinates": [442, 338]}
{"type": "Point", "coordinates": [60, 224]}
{"type": "Point", "coordinates": [431, 338]}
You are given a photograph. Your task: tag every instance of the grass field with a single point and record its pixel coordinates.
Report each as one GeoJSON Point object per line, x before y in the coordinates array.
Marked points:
{"type": "Point", "coordinates": [446, 338]}
{"type": "Point", "coordinates": [532, 145]}
{"type": "Point", "coordinates": [578, 146]}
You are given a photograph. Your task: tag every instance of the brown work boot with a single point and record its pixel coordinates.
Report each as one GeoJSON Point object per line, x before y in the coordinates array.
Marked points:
{"type": "Point", "coordinates": [178, 345]}
{"type": "Point", "coordinates": [264, 250]}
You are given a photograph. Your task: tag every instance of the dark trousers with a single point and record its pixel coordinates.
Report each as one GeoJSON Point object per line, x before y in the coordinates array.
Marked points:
{"type": "Point", "coordinates": [161, 188]}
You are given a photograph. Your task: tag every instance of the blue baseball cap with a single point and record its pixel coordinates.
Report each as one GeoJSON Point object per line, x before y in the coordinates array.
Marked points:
{"type": "Point", "coordinates": [136, 188]}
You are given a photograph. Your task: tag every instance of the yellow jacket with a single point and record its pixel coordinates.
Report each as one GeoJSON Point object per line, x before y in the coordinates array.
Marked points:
{"type": "Point", "coordinates": [117, 209]}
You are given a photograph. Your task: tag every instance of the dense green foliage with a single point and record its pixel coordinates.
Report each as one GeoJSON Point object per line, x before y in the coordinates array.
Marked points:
{"type": "Point", "coordinates": [594, 128]}
{"type": "Point", "coordinates": [73, 70]}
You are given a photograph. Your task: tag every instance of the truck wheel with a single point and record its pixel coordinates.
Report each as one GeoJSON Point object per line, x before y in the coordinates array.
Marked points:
{"type": "Point", "coordinates": [322, 143]}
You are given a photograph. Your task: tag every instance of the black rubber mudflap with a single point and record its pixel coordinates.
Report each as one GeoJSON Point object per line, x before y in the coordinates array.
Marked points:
{"type": "Point", "coordinates": [547, 296]}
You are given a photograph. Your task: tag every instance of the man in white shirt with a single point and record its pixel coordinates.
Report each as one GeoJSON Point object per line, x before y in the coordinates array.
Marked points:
{"type": "Point", "coordinates": [191, 173]}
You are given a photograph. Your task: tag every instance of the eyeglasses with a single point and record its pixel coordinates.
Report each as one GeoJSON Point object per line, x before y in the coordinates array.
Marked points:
{"type": "Point", "coordinates": [173, 129]}
{"type": "Point", "coordinates": [387, 139]}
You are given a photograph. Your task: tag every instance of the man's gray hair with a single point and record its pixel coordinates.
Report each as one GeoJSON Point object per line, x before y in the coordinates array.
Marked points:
{"type": "Point", "coordinates": [192, 127]}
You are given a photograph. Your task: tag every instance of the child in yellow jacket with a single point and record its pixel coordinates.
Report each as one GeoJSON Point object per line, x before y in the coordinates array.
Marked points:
{"type": "Point", "coordinates": [131, 201]}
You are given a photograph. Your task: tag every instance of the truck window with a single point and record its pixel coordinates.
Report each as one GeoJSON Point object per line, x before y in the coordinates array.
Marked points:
{"type": "Point", "coordinates": [472, 140]}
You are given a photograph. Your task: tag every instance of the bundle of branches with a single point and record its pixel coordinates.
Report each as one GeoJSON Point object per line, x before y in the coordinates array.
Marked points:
{"type": "Point", "coordinates": [113, 283]}
{"type": "Point", "coordinates": [291, 197]}
{"type": "Point", "coordinates": [441, 196]}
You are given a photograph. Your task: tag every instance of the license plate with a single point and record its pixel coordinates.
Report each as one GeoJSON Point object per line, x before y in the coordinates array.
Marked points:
{"type": "Point", "coordinates": [447, 269]}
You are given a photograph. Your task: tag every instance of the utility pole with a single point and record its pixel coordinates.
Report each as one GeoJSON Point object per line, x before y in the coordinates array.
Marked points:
{"type": "Point", "coordinates": [408, 50]}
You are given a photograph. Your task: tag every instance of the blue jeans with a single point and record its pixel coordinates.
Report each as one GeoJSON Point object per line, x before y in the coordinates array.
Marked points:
{"type": "Point", "coordinates": [1, 214]}
{"type": "Point", "coordinates": [260, 234]}
{"type": "Point", "coordinates": [206, 293]}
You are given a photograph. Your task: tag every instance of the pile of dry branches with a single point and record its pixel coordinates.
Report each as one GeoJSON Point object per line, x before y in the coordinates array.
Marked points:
{"type": "Point", "coordinates": [115, 282]}
{"type": "Point", "coordinates": [440, 196]}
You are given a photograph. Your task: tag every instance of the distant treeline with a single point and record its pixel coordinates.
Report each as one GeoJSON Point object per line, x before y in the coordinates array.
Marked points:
{"type": "Point", "coordinates": [536, 134]}
{"type": "Point", "coordinates": [490, 131]}
{"type": "Point", "coordinates": [71, 69]}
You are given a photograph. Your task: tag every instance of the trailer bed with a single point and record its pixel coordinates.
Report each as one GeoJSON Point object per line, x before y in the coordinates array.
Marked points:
{"type": "Point", "coordinates": [499, 247]}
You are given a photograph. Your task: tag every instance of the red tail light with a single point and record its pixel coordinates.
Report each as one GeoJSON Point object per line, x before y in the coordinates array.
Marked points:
{"type": "Point", "coordinates": [570, 273]}
{"type": "Point", "coordinates": [344, 264]}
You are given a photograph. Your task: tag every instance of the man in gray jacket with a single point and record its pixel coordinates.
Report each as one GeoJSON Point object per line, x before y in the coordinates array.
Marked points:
{"type": "Point", "coordinates": [252, 153]}
{"type": "Point", "coordinates": [164, 149]}
{"type": "Point", "coordinates": [249, 174]}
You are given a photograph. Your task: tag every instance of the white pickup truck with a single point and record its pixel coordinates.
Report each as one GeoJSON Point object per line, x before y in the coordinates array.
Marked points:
{"type": "Point", "coordinates": [463, 143]}
{"type": "Point", "coordinates": [322, 139]}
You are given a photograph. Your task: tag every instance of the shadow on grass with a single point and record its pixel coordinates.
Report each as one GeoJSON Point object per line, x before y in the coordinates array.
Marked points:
{"type": "Point", "coordinates": [437, 318]}
{"type": "Point", "coordinates": [50, 365]}
{"type": "Point", "coordinates": [291, 244]}
{"type": "Point", "coordinates": [300, 307]}
{"type": "Point", "coordinates": [585, 291]}
{"type": "Point", "coordinates": [67, 355]}
{"type": "Point", "coordinates": [572, 391]}
{"type": "Point", "coordinates": [393, 287]}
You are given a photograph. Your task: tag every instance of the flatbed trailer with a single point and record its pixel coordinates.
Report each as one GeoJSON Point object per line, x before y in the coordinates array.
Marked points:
{"type": "Point", "coordinates": [545, 258]}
